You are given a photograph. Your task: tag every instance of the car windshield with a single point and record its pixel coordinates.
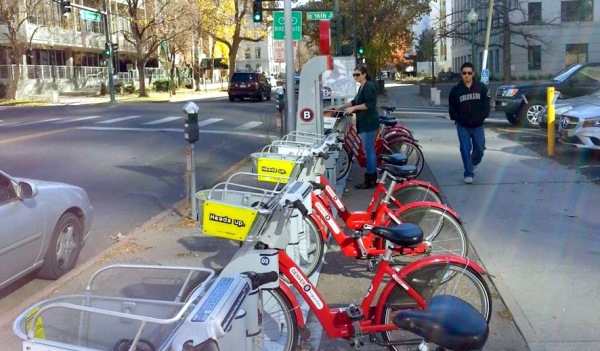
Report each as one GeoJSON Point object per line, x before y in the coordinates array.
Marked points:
{"type": "Point", "coordinates": [242, 77]}
{"type": "Point", "coordinates": [566, 72]}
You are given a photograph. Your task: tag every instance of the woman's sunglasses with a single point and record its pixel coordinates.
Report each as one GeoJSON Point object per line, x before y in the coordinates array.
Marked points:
{"type": "Point", "coordinates": [467, 72]}
{"type": "Point", "coordinates": [357, 74]}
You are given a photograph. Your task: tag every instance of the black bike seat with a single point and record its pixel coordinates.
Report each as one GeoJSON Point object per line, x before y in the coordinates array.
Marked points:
{"type": "Point", "coordinates": [447, 321]}
{"type": "Point", "coordinates": [406, 171]}
{"type": "Point", "coordinates": [387, 118]}
{"type": "Point", "coordinates": [397, 159]}
{"type": "Point", "coordinates": [388, 108]}
{"type": "Point", "coordinates": [388, 122]}
{"type": "Point", "coordinates": [405, 234]}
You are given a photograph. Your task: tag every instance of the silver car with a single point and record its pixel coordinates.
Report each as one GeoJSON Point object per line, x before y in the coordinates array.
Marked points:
{"type": "Point", "coordinates": [563, 106]}
{"type": "Point", "coordinates": [43, 227]}
{"type": "Point", "coordinates": [580, 127]}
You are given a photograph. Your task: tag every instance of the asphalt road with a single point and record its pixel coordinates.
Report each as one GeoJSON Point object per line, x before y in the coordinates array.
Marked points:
{"type": "Point", "coordinates": [130, 158]}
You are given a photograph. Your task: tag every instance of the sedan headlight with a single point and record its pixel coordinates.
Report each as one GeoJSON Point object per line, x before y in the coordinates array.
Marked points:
{"type": "Point", "coordinates": [510, 92]}
{"type": "Point", "coordinates": [592, 122]}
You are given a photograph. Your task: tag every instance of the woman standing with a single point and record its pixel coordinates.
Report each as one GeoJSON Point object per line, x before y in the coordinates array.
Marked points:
{"type": "Point", "coordinates": [364, 105]}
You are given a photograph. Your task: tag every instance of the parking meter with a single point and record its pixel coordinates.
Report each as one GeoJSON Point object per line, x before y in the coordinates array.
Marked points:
{"type": "Point", "coordinates": [280, 102]}
{"type": "Point", "coordinates": [191, 129]}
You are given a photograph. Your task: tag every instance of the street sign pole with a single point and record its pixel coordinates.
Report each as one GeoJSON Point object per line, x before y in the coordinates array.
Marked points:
{"type": "Point", "coordinates": [111, 83]}
{"type": "Point", "coordinates": [289, 68]}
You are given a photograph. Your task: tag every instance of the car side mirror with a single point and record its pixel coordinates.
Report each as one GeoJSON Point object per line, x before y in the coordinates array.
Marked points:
{"type": "Point", "coordinates": [26, 190]}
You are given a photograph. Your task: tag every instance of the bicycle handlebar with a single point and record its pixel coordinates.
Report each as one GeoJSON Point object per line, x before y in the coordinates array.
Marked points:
{"type": "Point", "coordinates": [258, 279]}
{"type": "Point", "coordinates": [317, 186]}
{"type": "Point", "coordinates": [297, 204]}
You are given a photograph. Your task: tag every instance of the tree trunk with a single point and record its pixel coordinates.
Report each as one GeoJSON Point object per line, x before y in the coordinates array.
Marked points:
{"type": "Point", "coordinates": [140, 66]}
{"type": "Point", "coordinates": [506, 59]}
{"type": "Point", "coordinates": [13, 85]}
{"type": "Point", "coordinates": [172, 74]}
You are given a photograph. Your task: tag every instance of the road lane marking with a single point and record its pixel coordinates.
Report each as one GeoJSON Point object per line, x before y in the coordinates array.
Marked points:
{"type": "Point", "coordinates": [249, 125]}
{"type": "Point", "coordinates": [76, 119]}
{"type": "Point", "coordinates": [35, 122]}
{"type": "Point", "coordinates": [174, 130]}
{"type": "Point", "coordinates": [120, 119]}
{"type": "Point", "coordinates": [209, 121]}
{"type": "Point", "coordinates": [33, 136]}
{"type": "Point", "coordinates": [162, 120]}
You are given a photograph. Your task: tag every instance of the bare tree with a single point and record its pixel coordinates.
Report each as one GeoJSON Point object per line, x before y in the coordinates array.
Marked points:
{"type": "Point", "coordinates": [14, 15]}
{"type": "Point", "coordinates": [150, 24]}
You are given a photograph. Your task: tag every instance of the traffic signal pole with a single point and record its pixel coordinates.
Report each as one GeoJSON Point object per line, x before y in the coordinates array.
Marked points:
{"type": "Point", "coordinates": [109, 60]}
{"type": "Point", "coordinates": [289, 68]}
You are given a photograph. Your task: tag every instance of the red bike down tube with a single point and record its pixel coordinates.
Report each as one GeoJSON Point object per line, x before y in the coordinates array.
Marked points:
{"type": "Point", "coordinates": [418, 264]}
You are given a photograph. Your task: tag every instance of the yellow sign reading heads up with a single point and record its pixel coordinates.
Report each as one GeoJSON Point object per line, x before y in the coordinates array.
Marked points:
{"type": "Point", "coordinates": [227, 221]}
{"type": "Point", "coordinates": [274, 171]}
{"type": "Point", "coordinates": [39, 326]}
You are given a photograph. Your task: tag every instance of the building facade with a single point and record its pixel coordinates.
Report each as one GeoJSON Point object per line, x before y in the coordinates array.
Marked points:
{"type": "Point", "coordinates": [569, 32]}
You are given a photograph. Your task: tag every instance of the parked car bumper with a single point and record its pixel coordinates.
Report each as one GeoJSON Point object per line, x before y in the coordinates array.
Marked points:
{"type": "Point", "coordinates": [572, 132]}
{"type": "Point", "coordinates": [507, 105]}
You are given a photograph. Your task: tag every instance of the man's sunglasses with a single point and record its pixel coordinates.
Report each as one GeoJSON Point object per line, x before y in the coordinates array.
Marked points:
{"type": "Point", "coordinates": [356, 74]}
{"type": "Point", "coordinates": [466, 72]}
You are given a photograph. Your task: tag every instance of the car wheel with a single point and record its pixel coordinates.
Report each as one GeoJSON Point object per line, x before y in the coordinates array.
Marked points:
{"type": "Point", "coordinates": [261, 95]}
{"type": "Point", "coordinates": [65, 246]}
{"type": "Point", "coordinates": [512, 119]}
{"type": "Point", "coordinates": [231, 98]}
{"type": "Point", "coordinates": [530, 114]}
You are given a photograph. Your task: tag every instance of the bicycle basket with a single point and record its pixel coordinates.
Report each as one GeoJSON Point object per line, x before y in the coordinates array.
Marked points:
{"type": "Point", "coordinates": [233, 210]}
{"type": "Point", "coordinates": [276, 168]}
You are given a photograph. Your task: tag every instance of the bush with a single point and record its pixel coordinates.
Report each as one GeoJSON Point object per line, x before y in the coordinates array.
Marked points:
{"type": "Point", "coordinates": [161, 85]}
{"type": "Point", "coordinates": [130, 89]}
{"type": "Point", "coordinates": [103, 89]}
{"type": "Point", "coordinates": [119, 88]}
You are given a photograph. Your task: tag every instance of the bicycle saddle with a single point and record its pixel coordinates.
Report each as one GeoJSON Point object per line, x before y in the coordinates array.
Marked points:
{"type": "Point", "coordinates": [405, 171]}
{"type": "Point", "coordinates": [405, 234]}
{"type": "Point", "coordinates": [397, 159]}
{"type": "Point", "coordinates": [388, 108]}
{"type": "Point", "coordinates": [447, 321]}
{"type": "Point", "coordinates": [388, 122]}
{"type": "Point", "coordinates": [388, 118]}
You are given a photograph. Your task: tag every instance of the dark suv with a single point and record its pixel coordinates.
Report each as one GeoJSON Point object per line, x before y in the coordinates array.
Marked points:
{"type": "Point", "coordinates": [524, 104]}
{"type": "Point", "coordinates": [249, 84]}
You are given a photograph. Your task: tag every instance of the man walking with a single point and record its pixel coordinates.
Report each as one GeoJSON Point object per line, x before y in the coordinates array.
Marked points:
{"type": "Point", "coordinates": [469, 103]}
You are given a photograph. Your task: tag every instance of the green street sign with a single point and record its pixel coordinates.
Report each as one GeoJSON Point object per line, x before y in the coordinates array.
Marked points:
{"type": "Point", "coordinates": [279, 25]}
{"type": "Point", "coordinates": [90, 16]}
{"type": "Point", "coordinates": [317, 16]}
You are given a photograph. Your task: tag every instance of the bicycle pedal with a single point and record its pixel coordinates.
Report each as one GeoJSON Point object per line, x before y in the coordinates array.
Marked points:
{"type": "Point", "coordinates": [354, 313]}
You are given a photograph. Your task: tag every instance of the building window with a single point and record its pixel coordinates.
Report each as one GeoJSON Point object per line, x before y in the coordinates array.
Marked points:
{"type": "Point", "coordinates": [247, 53]}
{"type": "Point", "coordinates": [579, 10]}
{"type": "Point", "coordinates": [534, 12]}
{"type": "Point", "coordinates": [257, 53]}
{"type": "Point", "coordinates": [576, 53]}
{"type": "Point", "coordinates": [534, 57]}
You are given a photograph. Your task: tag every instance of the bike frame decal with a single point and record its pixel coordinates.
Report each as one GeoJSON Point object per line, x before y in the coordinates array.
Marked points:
{"type": "Point", "coordinates": [333, 197]}
{"type": "Point", "coordinates": [307, 287]}
{"type": "Point", "coordinates": [400, 281]}
{"type": "Point", "coordinates": [331, 222]}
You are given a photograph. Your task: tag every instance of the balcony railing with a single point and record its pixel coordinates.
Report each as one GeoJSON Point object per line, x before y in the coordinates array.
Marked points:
{"type": "Point", "coordinates": [77, 72]}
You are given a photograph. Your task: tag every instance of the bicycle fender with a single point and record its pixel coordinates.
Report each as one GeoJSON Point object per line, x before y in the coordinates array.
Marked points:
{"type": "Point", "coordinates": [440, 207]}
{"type": "Point", "coordinates": [421, 183]}
{"type": "Point", "coordinates": [320, 225]}
{"type": "Point", "coordinates": [402, 139]}
{"type": "Point", "coordinates": [416, 265]}
{"type": "Point", "coordinates": [290, 295]}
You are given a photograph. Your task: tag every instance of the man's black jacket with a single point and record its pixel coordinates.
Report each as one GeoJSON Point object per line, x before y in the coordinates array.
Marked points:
{"type": "Point", "coordinates": [469, 107]}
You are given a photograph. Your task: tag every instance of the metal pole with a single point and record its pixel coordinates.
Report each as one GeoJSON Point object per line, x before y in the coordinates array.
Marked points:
{"type": "Point", "coordinates": [289, 68]}
{"type": "Point", "coordinates": [473, 46]}
{"type": "Point", "coordinates": [194, 213]}
{"type": "Point", "coordinates": [111, 83]}
{"type": "Point", "coordinates": [487, 35]}
{"type": "Point", "coordinates": [354, 29]}
{"type": "Point", "coordinates": [52, 60]}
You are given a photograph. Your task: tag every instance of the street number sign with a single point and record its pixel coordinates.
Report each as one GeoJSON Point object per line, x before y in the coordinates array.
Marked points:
{"type": "Point", "coordinates": [279, 25]}
{"type": "Point", "coordinates": [90, 16]}
{"type": "Point", "coordinates": [317, 16]}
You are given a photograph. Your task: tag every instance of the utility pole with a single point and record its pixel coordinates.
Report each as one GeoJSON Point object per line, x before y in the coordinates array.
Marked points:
{"type": "Point", "coordinates": [109, 60]}
{"type": "Point", "coordinates": [487, 35]}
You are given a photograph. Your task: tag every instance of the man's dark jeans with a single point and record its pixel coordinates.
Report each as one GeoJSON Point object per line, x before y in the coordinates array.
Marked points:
{"type": "Point", "coordinates": [472, 145]}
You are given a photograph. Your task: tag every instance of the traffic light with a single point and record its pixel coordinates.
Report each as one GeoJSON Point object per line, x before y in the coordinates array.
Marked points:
{"type": "Point", "coordinates": [361, 50]}
{"type": "Point", "coordinates": [115, 48]}
{"type": "Point", "coordinates": [107, 50]}
{"type": "Point", "coordinates": [333, 27]}
{"type": "Point", "coordinates": [257, 11]}
{"type": "Point", "coordinates": [65, 7]}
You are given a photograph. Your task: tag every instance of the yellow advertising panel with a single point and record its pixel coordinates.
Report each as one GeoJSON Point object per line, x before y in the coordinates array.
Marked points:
{"type": "Point", "coordinates": [226, 221]}
{"type": "Point", "coordinates": [39, 326]}
{"type": "Point", "coordinates": [274, 171]}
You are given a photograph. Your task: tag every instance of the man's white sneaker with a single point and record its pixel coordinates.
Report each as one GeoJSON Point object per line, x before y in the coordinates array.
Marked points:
{"type": "Point", "coordinates": [468, 180]}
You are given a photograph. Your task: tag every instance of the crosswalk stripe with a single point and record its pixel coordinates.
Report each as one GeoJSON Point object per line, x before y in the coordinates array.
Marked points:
{"type": "Point", "coordinates": [120, 119]}
{"type": "Point", "coordinates": [42, 121]}
{"type": "Point", "coordinates": [249, 125]}
{"type": "Point", "coordinates": [209, 121]}
{"type": "Point", "coordinates": [76, 119]}
{"type": "Point", "coordinates": [162, 120]}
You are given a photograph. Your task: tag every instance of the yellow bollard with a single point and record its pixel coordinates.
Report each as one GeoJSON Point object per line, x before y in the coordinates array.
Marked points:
{"type": "Point", "coordinates": [551, 120]}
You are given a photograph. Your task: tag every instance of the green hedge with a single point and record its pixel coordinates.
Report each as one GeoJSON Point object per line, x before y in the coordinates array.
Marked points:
{"type": "Point", "coordinates": [161, 85]}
